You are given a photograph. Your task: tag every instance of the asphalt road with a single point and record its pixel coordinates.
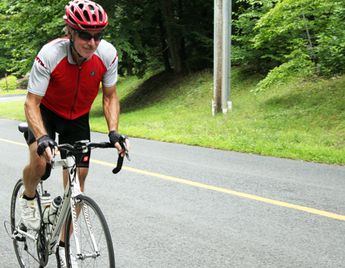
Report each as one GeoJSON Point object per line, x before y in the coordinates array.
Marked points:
{"type": "Point", "coordinates": [183, 206]}
{"type": "Point", "coordinates": [7, 98]}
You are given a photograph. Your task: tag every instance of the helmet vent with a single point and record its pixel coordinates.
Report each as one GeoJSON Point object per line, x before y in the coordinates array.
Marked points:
{"type": "Point", "coordinates": [86, 15]}
{"type": "Point", "coordinates": [72, 20]}
{"type": "Point", "coordinates": [78, 16]}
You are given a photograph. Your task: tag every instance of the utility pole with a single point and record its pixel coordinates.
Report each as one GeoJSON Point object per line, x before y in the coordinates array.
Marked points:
{"type": "Point", "coordinates": [222, 56]}
{"type": "Point", "coordinates": [6, 83]}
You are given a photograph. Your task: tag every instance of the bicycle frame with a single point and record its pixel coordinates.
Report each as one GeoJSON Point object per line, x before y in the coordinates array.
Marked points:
{"type": "Point", "coordinates": [69, 201]}
{"type": "Point", "coordinates": [72, 190]}
{"type": "Point", "coordinates": [74, 202]}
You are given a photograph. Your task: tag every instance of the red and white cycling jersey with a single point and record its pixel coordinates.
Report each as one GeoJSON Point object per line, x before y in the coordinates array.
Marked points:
{"type": "Point", "coordinates": [67, 88]}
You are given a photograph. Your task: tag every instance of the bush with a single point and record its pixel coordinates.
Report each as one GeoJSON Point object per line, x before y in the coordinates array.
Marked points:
{"type": "Point", "coordinates": [12, 83]}
{"type": "Point", "coordinates": [23, 83]}
{"type": "Point", "coordinates": [331, 52]}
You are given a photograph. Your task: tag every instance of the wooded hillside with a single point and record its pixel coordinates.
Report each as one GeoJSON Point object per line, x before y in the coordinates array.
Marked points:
{"type": "Point", "coordinates": [275, 38]}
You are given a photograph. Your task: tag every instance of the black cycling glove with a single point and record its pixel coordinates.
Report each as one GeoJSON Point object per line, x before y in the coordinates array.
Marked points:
{"type": "Point", "coordinates": [43, 142]}
{"type": "Point", "coordinates": [115, 137]}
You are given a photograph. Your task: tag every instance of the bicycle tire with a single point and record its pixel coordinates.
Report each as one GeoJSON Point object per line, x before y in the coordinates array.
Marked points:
{"type": "Point", "coordinates": [23, 247]}
{"type": "Point", "coordinates": [95, 218]}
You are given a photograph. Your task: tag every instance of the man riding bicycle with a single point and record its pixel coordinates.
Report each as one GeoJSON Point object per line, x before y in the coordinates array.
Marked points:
{"type": "Point", "coordinates": [64, 81]}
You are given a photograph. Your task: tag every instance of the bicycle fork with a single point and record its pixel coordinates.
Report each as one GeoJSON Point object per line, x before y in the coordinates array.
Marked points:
{"type": "Point", "coordinates": [85, 214]}
{"type": "Point", "coordinates": [76, 191]}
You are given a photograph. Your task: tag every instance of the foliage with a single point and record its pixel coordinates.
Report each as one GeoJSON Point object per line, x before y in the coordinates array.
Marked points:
{"type": "Point", "coordinates": [5, 58]}
{"type": "Point", "coordinates": [289, 37]}
{"type": "Point", "coordinates": [132, 29]}
{"type": "Point", "coordinates": [138, 29]}
{"type": "Point", "coordinates": [247, 15]}
{"type": "Point", "coordinates": [277, 38]}
{"type": "Point", "coordinates": [11, 81]}
{"type": "Point", "coordinates": [23, 83]}
{"type": "Point", "coordinates": [330, 50]}
{"type": "Point", "coordinates": [145, 36]}
{"type": "Point", "coordinates": [5, 52]}
{"type": "Point", "coordinates": [32, 24]}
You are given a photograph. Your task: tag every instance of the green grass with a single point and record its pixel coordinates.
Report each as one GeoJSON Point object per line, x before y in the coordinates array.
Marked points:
{"type": "Point", "coordinates": [304, 119]}
{"type": "Point", "coordinates": [12, 92]}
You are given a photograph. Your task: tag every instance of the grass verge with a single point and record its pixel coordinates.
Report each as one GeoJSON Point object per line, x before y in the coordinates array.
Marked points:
{"type": "Point", "coordinates": [302, 120]}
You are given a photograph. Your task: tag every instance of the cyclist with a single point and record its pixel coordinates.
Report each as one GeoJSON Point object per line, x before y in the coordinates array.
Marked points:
{"type": "Point", "coordinates": [64, 81]}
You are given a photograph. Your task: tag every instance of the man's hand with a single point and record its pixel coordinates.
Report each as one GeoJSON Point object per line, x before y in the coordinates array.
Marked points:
{"type": "Point", "coordinates": [45, 147]}
{"type": "Point", "coordinates": [115, 137]}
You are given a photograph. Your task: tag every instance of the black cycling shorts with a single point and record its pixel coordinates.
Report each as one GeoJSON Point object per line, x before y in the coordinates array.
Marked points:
{"type": "Point", "coordinates": [69, 131]}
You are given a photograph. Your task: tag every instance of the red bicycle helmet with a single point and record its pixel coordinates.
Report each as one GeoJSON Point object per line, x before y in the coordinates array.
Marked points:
{"type": "Point", "coordinates": [85, 15]}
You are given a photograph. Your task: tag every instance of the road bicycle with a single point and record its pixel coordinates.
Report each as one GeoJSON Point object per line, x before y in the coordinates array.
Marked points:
{"type": "Point", "coordinates": [87, 235]}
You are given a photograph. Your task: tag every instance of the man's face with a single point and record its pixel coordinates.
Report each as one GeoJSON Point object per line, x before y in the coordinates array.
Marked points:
{"type": "Point", "coordinates": [86, 42]}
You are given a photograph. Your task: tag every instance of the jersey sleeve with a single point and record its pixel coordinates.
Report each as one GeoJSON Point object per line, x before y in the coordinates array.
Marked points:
{"type": "Point", "coordinates": [111, 59]}
{"type": "Point", "coordinates": [40, 75]}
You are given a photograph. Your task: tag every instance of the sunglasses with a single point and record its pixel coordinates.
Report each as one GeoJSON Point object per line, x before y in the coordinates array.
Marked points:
{"type": "Point", "coordinates": [87, 36]}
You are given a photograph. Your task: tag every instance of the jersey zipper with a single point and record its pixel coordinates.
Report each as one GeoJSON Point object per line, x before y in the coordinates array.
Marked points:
{"type": "Point", "coordinates": [76, 94]}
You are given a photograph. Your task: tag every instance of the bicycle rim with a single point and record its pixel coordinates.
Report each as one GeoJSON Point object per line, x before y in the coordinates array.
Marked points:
{"type": "Point", "coordinates": [90, 218]}
{"type": "Point", "coordinates": [25, 248]}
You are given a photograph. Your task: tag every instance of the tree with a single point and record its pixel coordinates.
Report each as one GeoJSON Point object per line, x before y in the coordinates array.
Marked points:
{"type": "Point", "coordinates": [5, 51]}
{"type": "Point", "coordinates": [147, 33]}
{"type": "Point", "coordinates": [5, 58]}
{"type": "Point", "coordinates": [291, 36]}
{"type": "Point", "coordinates": [151, 33]}
{"type": "Point", "coordinates": [32, 24]}
{"type": "Point", "coordinates": [247, 14]}
{"type": "Point", "coordinates": [174, 37]}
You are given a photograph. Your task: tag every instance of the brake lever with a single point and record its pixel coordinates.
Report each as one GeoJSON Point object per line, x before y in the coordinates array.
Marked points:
{"type": "Point", "coordinates": [120, 158]}
{"type": "Point", "coordinates": [123, 145]}
{"type": "Point", "coordinates": [52, 162]}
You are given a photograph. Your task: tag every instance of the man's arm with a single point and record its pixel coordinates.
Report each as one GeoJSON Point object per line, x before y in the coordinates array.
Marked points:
{"type": "Point", "coordinates": [34, 120]}
{"type": "Point", "coordinates": [111, 108]}
{"type": "Point", "coordinates": [33, 115]}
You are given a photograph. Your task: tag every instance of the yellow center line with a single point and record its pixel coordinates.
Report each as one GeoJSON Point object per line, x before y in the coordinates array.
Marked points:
{"type": "Point", "coordinates": [218, 189]}
{"type": "Point", "coordinates": [17, 143]}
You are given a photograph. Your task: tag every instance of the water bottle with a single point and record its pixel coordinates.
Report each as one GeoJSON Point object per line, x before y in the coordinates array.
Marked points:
{"type": "Point", "coordinates": [53, 208]}
{"type": "Point", "coordinates": [45, 204]}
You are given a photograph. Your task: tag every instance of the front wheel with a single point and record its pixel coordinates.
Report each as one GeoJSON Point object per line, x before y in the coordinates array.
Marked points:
{"type": "Point", "coordinates": [96, 247]}
{"type": "Point", "coordinates": [24, 247]}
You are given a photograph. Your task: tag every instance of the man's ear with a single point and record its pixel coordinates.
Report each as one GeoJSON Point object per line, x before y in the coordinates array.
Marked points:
{"type": "Point", "coordinates": [69, 32]}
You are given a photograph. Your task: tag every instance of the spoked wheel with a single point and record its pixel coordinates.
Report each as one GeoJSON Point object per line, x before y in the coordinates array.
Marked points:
{"type": "Point", "coordinates": [94, 237]}
{"type": "Point", "coordinates": [24, 245]}
{"type": "Point", "coordinates": [29, 252]}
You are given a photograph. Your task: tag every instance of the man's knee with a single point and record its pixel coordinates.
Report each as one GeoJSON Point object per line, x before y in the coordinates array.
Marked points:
{"type": "Point", "coordinates": [37, 165]}
{"type": "Point", "coordinates": [38, 168]}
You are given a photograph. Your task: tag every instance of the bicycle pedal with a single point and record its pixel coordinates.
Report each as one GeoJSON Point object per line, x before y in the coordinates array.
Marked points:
{"type": "Point", "coordinates": [19, 238]}
{"type": "Point", "coordinates": [17, 235]}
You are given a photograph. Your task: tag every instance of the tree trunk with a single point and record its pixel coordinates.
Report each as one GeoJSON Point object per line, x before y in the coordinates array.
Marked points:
{"type": "Point", "coordinates": [182, 39]}
{"type": "Point", "coordinates": [165, 53]}
{"type": "Point", "coordinates": [168, 15]}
